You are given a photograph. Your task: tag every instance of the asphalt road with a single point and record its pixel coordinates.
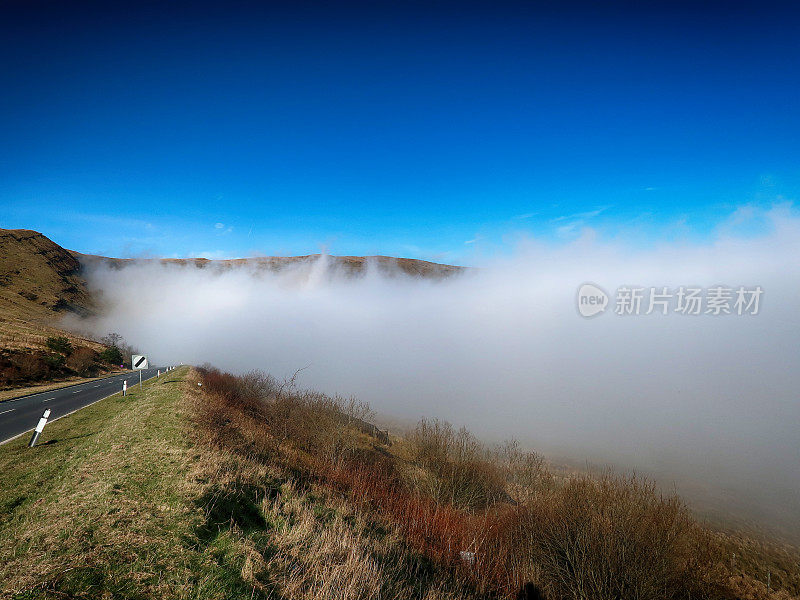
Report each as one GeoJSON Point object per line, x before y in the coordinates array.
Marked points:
{"type": "Point", "coordinates": [21, 415]}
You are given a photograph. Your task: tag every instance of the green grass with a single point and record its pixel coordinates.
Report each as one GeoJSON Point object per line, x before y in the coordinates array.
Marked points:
{"type": "Point", "coordinates": [120, 500]}
{"type": "Point", "coordinates": [103, 506]}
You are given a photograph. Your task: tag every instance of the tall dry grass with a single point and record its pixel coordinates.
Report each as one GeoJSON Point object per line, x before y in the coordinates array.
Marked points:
{"type": "Point", "coordinates": [496, 519]}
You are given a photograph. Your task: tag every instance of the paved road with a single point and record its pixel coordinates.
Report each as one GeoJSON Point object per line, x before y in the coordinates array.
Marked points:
{"type": "Point", "coordinates": [21, 415]}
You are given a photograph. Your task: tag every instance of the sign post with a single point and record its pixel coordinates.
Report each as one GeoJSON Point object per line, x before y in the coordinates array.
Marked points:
{"type": "Point", "coordinates": [139, 363]}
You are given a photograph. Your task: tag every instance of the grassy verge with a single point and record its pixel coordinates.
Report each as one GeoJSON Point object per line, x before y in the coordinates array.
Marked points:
{"type": "Point", "coordinates": [120, 501]}
{"type": "Point", "coordinates": [98, 506]}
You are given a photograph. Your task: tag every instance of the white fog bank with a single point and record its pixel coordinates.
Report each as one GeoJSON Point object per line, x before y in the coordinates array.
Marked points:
{"type": "Point", "coordinates": [503, 350]}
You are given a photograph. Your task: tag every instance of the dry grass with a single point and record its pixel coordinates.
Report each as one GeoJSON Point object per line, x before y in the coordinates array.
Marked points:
{"type": "Point", "coordinates": [38, 281]}
{"type": "Point", "coordinates": [529, 532]}
{"type": "Point", "coordinates": [246, 488]}
{"type": "Point", "coordinates": [22, 334]}
{"type": "Point", "coordinates": [123, 500]}
{"type": "Point", "coordinates": [453, 467]}
{"type": "Point", "coordinates": [297, 540]}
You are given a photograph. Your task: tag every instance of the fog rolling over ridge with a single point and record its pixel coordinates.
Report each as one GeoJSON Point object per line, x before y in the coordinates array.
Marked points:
{"type": "Point", "coordinates": [503, 350]}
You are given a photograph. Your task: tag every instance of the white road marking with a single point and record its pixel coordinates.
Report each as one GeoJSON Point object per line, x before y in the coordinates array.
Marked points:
{"type": "Point", "coordinates": [77, 391]}
{"type": "Point", "coordinates": [13, 437]}
{"type": "Point", "coordinates": [48, 399]}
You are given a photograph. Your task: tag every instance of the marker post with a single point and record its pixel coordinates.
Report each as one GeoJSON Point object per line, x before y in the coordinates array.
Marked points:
{"type": "Point", "coordinates": [39, 428]}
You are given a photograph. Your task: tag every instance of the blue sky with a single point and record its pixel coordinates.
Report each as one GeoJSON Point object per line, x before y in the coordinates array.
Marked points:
{"type": "Point", "coordinates": [442, 133]}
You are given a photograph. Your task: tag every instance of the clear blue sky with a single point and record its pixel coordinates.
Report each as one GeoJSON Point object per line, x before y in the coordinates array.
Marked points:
{"type": "Point", "coordinates": [438, 133]}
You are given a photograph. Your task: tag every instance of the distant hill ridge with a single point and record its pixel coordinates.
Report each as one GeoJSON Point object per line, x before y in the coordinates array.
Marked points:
{"type": "Point", "coordinates": [39, 279]}
{"type": "Point", "coordinates": [352, 264]}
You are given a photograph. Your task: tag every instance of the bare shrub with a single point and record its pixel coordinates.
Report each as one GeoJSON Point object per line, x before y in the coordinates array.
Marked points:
{"type": "Point", "coordinates": [591, 537]}
{"type": "Point", "coordinates": [525, 472]}
{"type": "Point", "coordinates": [31, 366]}
{"type": "Point", "coordinates": [612, 537]}
{"type": "Point", "coordinates": [325, 426]}
{"type": "Point", "coordinates": [83, 361]}
{"type": "Point", "coordinates": [460, 469]}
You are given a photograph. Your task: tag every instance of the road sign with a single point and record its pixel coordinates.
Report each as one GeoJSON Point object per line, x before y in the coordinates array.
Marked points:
{"type": "Point", "coordinates": [139, 362]}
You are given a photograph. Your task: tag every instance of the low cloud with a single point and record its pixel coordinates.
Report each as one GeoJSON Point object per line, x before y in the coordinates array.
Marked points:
{"type": "Point", "coordinates": [707, 402]}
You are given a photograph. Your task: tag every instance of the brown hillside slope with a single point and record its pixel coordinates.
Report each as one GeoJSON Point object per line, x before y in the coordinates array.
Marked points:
{"type": "Point", "coordinates": [39, 282]}
{"type": "Point", "coordinates": [39, 277]}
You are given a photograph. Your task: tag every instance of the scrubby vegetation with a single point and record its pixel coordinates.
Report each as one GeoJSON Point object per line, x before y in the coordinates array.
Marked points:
{"type": "Point", "coordinates": [19, 368]}
{"type": "Point", "coordinates": [245, 487]}
{"type": "Point", "coordinates": [117, 351]}
{"type": "Point", "coordinates": [60, 344]}
{"type": "Point", "coordinates": [60, 359]}
{"type": "Point", "coordinates": [112, 355]}
{"type": "Point", "coordinates": [497, 521]}
{"type": "Point", "coordinates": [126, 499]}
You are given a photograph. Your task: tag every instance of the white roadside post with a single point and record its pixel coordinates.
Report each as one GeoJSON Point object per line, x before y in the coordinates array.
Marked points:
{"type": "Point", "coordinates": [39, 428]}
{"type": "Point", "coordinates": [125, 387]}
{"type": "Point", "coordinates": [158, 374]}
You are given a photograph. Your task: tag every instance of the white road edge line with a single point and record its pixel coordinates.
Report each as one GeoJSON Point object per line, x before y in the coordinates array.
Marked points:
{"type": "Point", "coordinates": [110, 379]}
{"type": "Point", "coordinates": [5, 411]}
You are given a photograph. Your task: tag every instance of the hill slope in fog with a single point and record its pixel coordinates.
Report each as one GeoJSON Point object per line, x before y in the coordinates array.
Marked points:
{"type": "Point", "coordinates": [351, 264]}
{"type": "Point", "coordinates": [40, 280]}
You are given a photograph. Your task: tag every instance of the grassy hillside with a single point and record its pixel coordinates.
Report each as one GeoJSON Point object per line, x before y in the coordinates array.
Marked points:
{"type": "Point", "coordinates": [525, 529]}
{"type": "Point", "coordinates": [108, 505]}
{"type": "Point", "coordinates": [39, 282]}
{"type": "Point", "coordinates": [124, 499]}
{"type": "Point", "coordinates": [182, 491]}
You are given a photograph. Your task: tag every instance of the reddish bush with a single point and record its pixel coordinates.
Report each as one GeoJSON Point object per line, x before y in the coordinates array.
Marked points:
{"type": "Point", "coordinates": [592, 538]}
{"type": "Point", "coordinates": [32, 367]}
{"type": "Point", "coordinates": [83, 361]}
